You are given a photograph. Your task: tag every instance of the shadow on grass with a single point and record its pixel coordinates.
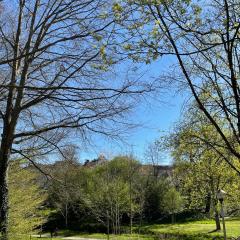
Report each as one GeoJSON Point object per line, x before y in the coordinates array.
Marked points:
{"type": "Point", "coordinates": [184, 237]}
{"type": "Point", "coordinates": [178, 235]}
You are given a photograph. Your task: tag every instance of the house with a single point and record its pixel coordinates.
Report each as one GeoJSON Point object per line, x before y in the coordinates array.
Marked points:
{"type": "Point", "coordinates": [95, 162]}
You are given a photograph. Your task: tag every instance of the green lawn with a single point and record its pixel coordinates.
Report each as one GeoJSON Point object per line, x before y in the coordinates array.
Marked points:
{"type": "Point", "coordinates": [103, 236]}
{"type": "Point", "coordinates": [197, 230]}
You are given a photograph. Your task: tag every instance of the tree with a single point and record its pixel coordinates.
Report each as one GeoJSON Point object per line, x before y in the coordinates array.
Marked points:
{"type": "Point", "coordinates": [64, 188]}
{"type": "Point", "coordinates": [172, 202]}
{"type": "Point", "coordinates": [154, 195]}
{"type": "Point", "coordinates": [53, 61]}
{"type": "Point", "coordinates": [154, 155]}
{"type": "Point", "coordinates": [26, 201]}
{"type": "Point", "coordinates": [203, 37]}
{"type": "Point", "coordinates": [128, 169]}
{"type": "Point", "coordinates": [114, 190]}
{"type": "Point", "coordinates": [200, 170]}
{"type": "Point", "coordinates": [108, 199]}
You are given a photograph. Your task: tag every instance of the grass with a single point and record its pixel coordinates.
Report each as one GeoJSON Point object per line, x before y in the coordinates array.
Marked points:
{"type": "Point", "coordinates": [99, 236]}
{"type": "Point", "coordinates": [194, 230]}
{"type": "Point", "coordinates": [118, 237]}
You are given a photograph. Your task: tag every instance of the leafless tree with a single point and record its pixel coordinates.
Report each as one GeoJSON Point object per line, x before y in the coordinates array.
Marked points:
{"type": "Point", "coordinates": [54, 56]}
{"type": "Point", "coordinates": [154, 157]}
{"type": "Point", "coordinates": [65, 180]}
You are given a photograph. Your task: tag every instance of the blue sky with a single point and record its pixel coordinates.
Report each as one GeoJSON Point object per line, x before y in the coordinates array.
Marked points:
{"type": "Point", "coordinates": [157, 117]}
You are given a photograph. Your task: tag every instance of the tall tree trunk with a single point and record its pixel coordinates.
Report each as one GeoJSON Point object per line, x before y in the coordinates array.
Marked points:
{"type": "Point", "coordinates": [3, 196]}
{"type": "Point", "coordinates": [6, 146]}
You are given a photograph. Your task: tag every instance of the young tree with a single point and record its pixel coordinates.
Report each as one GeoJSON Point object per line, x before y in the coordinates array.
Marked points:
{"type": "Point", "coordinates": [128, 169]}
{"type": "Point", "coordinates": [53, 61]}
{"type": "Point", "coordinates": [64, 189]}
{"type": "Point", "coordinates": [154, 156]}
{"type": "Point", "coordinates": [114, 190]}
{"type": "Point", "coordinates": [172, 203]}
{"type": "Point", "coordinates": [26, 201]}
{"type": "Point", "coordinates": [108, 199]}
{"type": "Point", "coordinates": [156, 188]}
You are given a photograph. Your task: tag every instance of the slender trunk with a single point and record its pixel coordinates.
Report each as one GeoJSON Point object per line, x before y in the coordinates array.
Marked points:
{"type": "Point", "coordinates": [217, 220]}
{"type": "Point", "coordinates": [4, 196]}
{"type": "Point", "coordinates": [66, 215]}
{"type": "Point", "coordinates": [208, 203]}
{"type": "Point", "coordinates": [131, 223]}
{"type": "Point", "coordinates": [107, 225]}
{"type": "Point", "coordinates": [113, 221]}
{"type": "Point", "coordinates": [116, 225]}
{"type": "Point", "coordinates": [118, 220]}
{"type": "Point", "coordinates": [140, 223]}
{"type": "Point", "coordinates": [118, 231]}
{"type": "Point", "coordinates": [131, 210]}
{"type": "Point", "coordinates": [173, 218]}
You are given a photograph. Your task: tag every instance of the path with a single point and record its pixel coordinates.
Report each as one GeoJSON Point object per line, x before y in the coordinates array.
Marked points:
{"type": "Point", "coordinates": [79, 238]}
{"type": "Point", "coordinates": [65, 238]}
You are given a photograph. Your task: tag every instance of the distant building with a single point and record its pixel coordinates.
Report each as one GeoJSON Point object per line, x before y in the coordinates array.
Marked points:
{"type": "Point", "coordinates": [95, 162]}
{"type": "Point", "coordinates": [163, 171]}
{"type": "Point", "coordinates": [158, 170]}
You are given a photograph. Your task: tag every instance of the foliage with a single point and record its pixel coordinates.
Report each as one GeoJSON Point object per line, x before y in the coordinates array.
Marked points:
{"type": "Point", "coordinates": [200, 167]}
{"type": "Point", "coordinates": [115, 192]}
{"type": "Point", "coordinates": [64, 189]}
{"type": "Point", "coordinates": [112, 192]}
{"type": "Point", "coordinates": [172, 202]}
{"type": "Point", "coordinates": [202, 38]}
{"type": "Point", "coordinates": [107, 201]}
{"type": "Point", "coordinates": [154, 195]}
{"type": "Point", "coordinates": [26, 201]}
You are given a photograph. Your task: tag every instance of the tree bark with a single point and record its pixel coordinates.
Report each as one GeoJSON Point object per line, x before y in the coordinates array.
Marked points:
{"type": "Point", "coordinates": [6, 145]}
{"type": "Point", "coordinates": [66, 216]}
{"type": "Point", "coordinates": [217, 221]}
{"type": "Point", "coordinates": [208, 203]}
{"type": "Point", "coordinates": [3, 197]}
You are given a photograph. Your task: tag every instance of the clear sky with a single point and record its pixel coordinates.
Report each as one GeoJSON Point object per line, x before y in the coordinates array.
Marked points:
{"type": "Point", "coordinates": [157, 116]}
